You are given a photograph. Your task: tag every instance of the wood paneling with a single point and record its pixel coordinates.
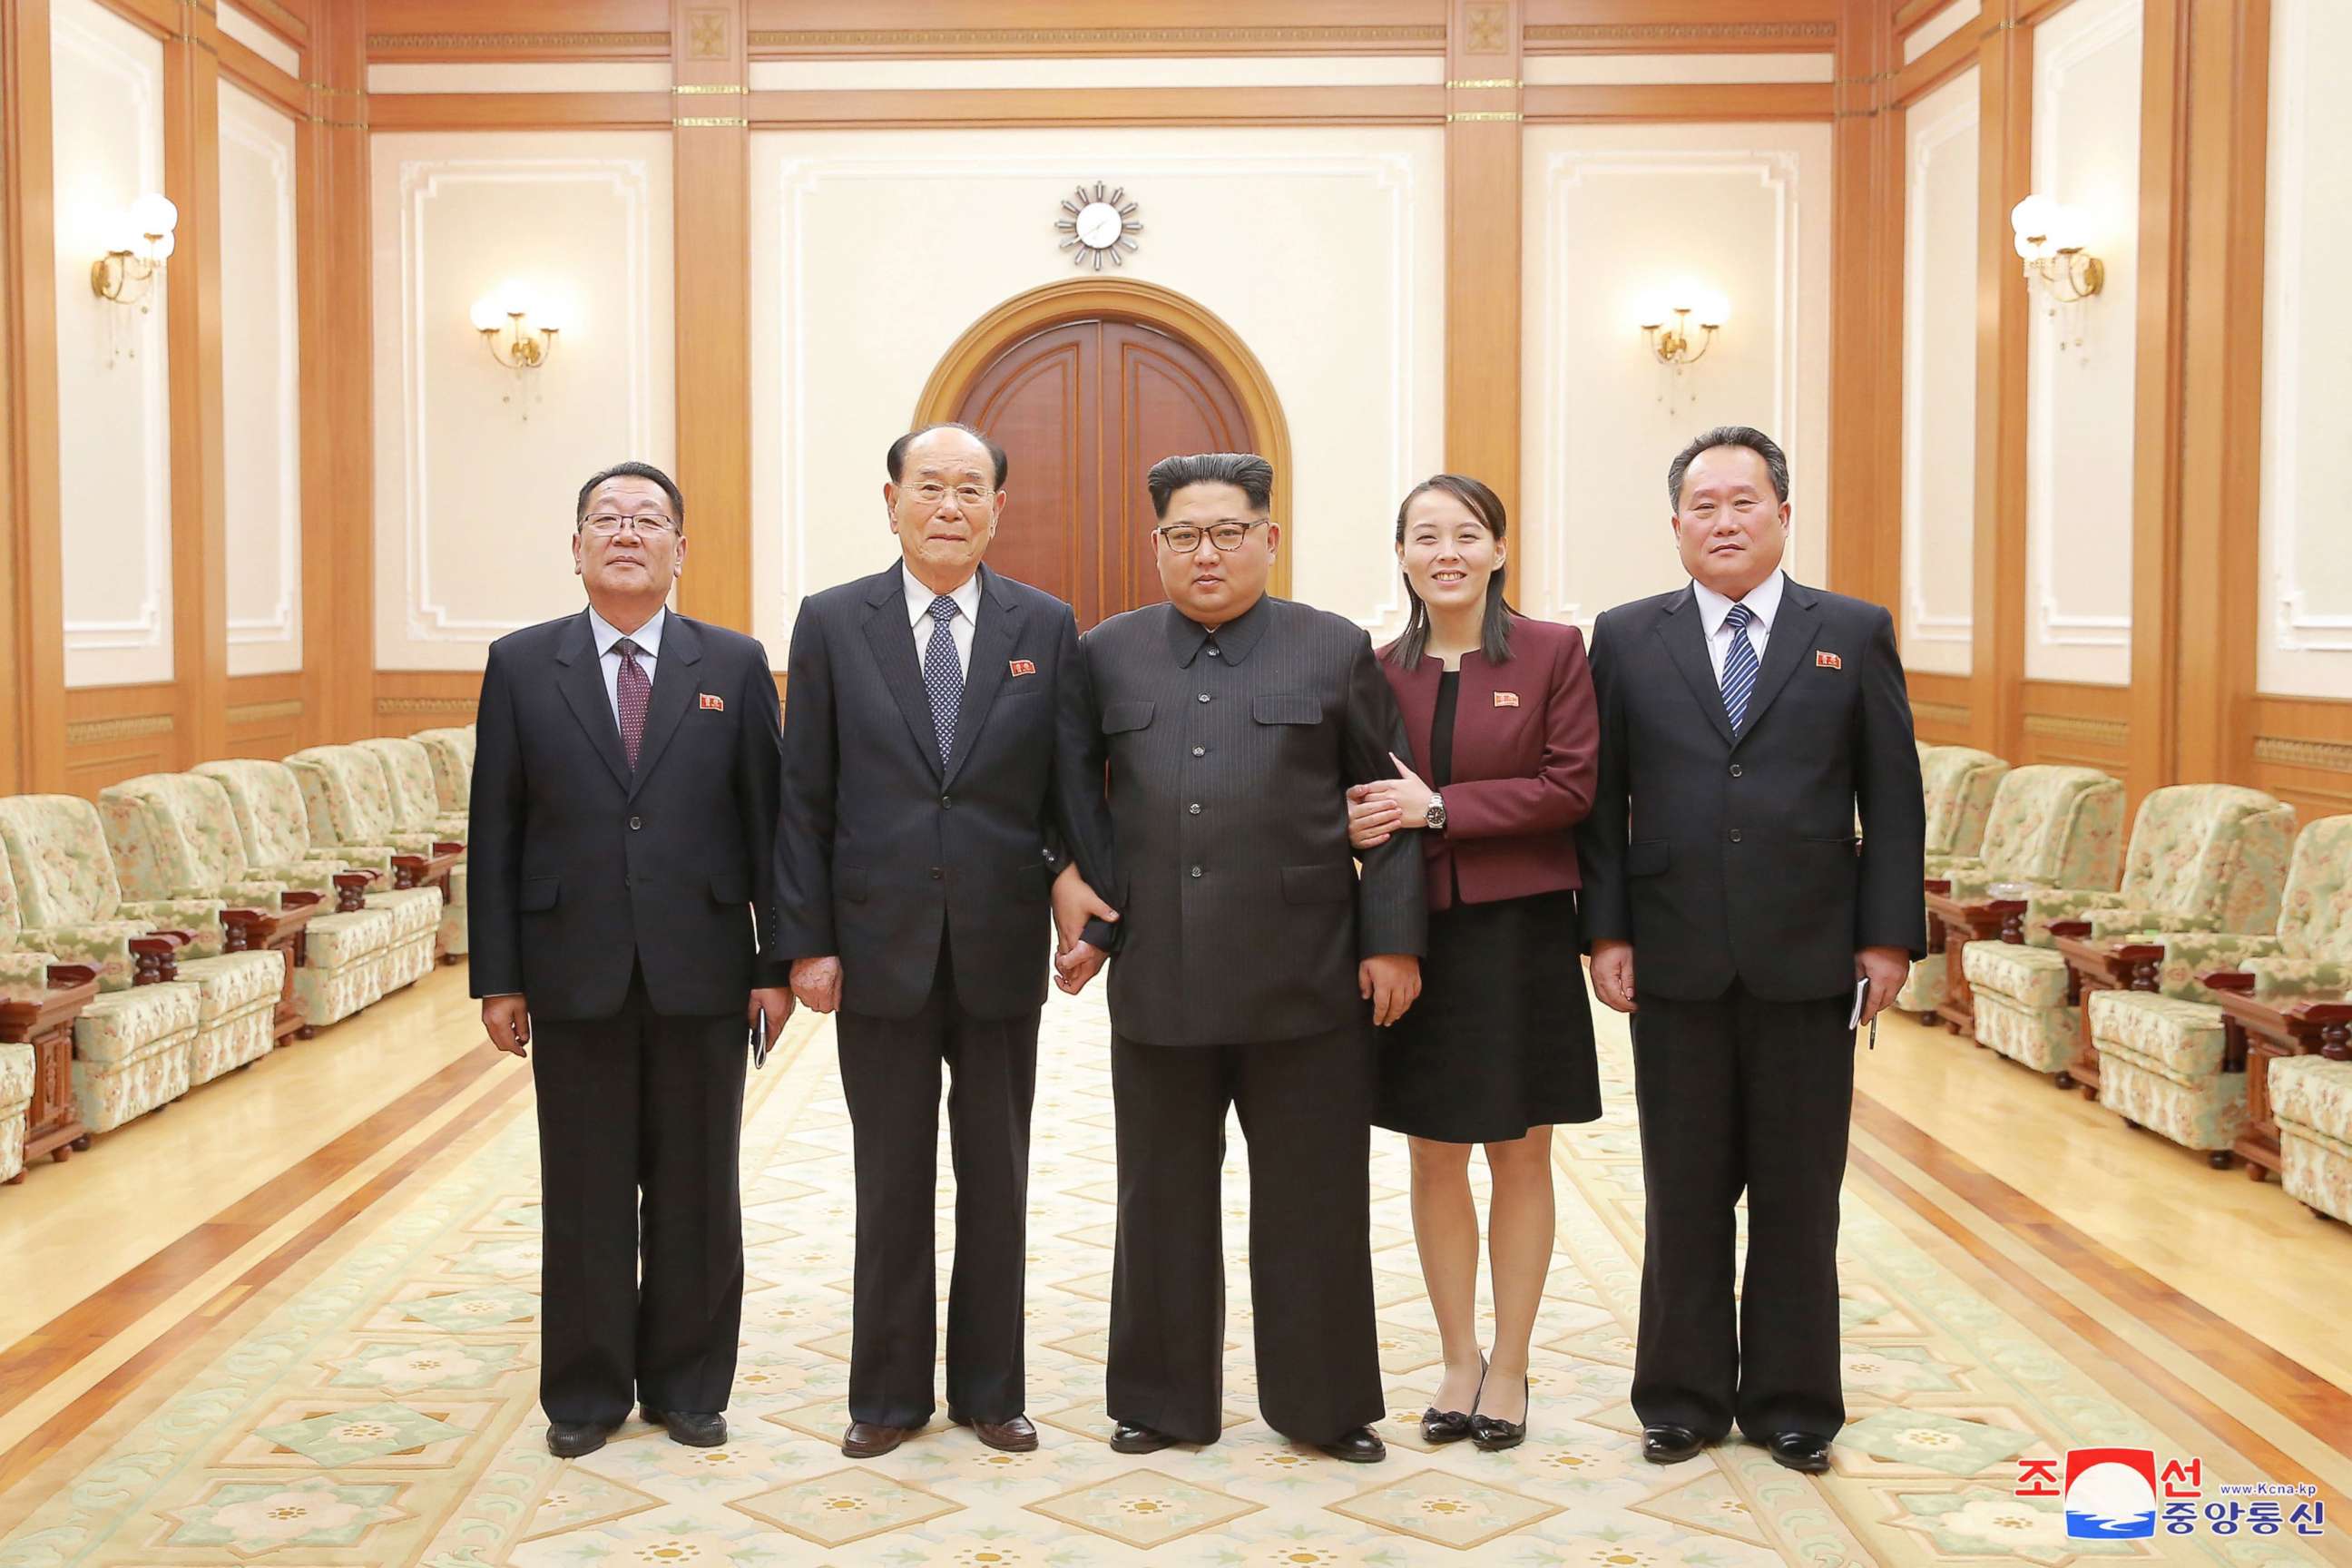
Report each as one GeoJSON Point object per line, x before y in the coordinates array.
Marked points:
{"type": "Point", "coordinates": [408, 700]}
{"type": "Point", "coordinates": [1865, 482]}
{"type": "Point", "coordinates": [2074, 723]}
{"type": "Point", "coordinates": [116, 733]}
{"type": "Point", "coordinates": [266, 715]}
{"type": "Point", "coordinates": [2004, 174]}
{"type": "Point", "coordinates": [883, 109]}
{"type": "Point", "coordinates": [249, 71]}
{"type": "Point", "coordinates": [1034, 28]}
{"type": "Point", "coordinates": [2303, 753]}
{"type": "Point", "coordinates": [516, 29]}
{"type": "Point", "coordinates": [1601, 102]}
{"type": "Point", "coordinates": [1946, 60]}
{"type": "Point", "coordinates": [518, 110]}
{"type": "Point", "coordinates": [1659, 26]}
{"type": "Point", "coordinates": [199, 443]}
{"type": "Point", "coordinates": [713, 204]}
{"type": "Point", "coordinates": [290, 19]}
{"type": "Point", "coordinates": [31, 521]}
{"type": "Point", "coordinates": [1940, 712]}
{"type": "Point", "coordinates": [1482, 240]}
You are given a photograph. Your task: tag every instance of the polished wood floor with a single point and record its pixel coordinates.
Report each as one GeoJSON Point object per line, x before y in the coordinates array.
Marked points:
{"type": "Point", "coordinates": [130, 1252]}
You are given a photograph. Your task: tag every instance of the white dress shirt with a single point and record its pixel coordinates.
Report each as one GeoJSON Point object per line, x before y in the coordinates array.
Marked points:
{"type": "Point", "coordinates": [1763, 604]}
{"type": "Point", "coordinates": [648, 640]}
{"type": "Point", "coordinates": [919, 617]}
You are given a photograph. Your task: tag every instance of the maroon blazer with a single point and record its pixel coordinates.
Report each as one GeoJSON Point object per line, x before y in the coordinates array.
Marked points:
{"type": "Point", "coordinates": [1523, 771]}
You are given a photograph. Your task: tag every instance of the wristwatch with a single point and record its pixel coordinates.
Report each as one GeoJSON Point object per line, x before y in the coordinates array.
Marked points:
{"type": "Point", "coordinates": [1435, 818]}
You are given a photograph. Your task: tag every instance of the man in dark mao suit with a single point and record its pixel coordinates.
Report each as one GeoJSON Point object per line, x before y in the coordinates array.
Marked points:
{"type": "Point", "coordinates": [622, 837]}
{"type": "Point", "coordinates": [1746, 720]}
{"type": "Point", "coordinates": [1248, 948]}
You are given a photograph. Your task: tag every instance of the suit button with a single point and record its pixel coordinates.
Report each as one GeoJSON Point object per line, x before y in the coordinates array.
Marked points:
{"type": "Point", "coordinates": [1194, 808]}
{"type": "Point", "coordinates": [1199, 751]}
{"type": "Point", "coordinates": [636, 823]}
{"type": "Point", "coordinates": [936, 873]}
{"type": "Point", "coordinates": [1735, 835]}
{"type": "Point", "coordinates": [1196, 870]}
{"type": "Point", "coordinates": [1735, 770]}
{"type": "Point", "coordinates": [946, 802]}
{"type": "Point", "coordinates": [1204, 696]}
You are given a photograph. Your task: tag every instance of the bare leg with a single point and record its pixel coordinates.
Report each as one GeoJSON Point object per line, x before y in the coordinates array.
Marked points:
{"type": "Point", "coordinates": [1518, 1244]}
{"type": "Point", "coordinates": [1445, 1227]}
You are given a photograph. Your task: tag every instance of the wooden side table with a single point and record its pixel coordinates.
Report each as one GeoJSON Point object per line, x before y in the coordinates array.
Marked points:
{"type": "Point", "coordinates": [2257, 1032]}
{"type": "Point", "coordinates": [430, 871]}
{"type": "Point", "coordinates": [2099, 964]}
{"type": "Point", "coordinates": [52, 1122]}
{"type": "Point", "coordinates": [1952, 925]}
{"type": "Point", "coordinates": [282, 930]}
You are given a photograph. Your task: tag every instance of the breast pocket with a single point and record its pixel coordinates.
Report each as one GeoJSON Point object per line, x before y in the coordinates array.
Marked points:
{"type": "Point", "coordinates": [1287, 707]}
{"type": "Point", "coordinates": [1121, 718]}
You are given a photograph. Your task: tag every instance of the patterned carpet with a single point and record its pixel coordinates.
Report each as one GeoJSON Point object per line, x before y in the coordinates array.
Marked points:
{"type": "Point", "coordinates": [376, 1407]}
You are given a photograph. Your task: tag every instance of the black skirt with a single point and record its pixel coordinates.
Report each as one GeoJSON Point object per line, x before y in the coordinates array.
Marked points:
{"type": "Point", "coordinates": [1500, 1039]}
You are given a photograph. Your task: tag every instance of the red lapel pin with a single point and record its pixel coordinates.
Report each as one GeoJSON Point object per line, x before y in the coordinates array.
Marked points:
{"type": "Point", "coordinates": [713, 704]}
{"type": "Point", "coordinates": [1825, 661]}
{"type": "Point", "coordinates": [1506, 700]}
{"type": "Point", "coordinates": [1024, 667]}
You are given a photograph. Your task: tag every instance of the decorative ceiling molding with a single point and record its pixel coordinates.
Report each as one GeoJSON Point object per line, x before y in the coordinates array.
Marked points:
{"type": "Point", "coordinates": [1406, 38]}
{"type": "Point", "coordinates": [1566, 37]}
{"type": "Point", "coordinates": [535, 46]}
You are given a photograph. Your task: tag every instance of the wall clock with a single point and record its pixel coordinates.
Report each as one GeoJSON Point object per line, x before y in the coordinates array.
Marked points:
{"type": "Point", "coordinates": [1097, 226]}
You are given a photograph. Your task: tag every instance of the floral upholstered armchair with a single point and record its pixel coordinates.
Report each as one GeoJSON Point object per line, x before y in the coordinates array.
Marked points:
{"type": "Point", "coordinates": [177, 834]}
{"type": "Point", "coordinates": [133, 1043]}
{"type": "Point", "coordinates": [452, 753]}
{"type": "Point", "coordinates": [2311, 1096]}
{"type": "Point", "coordinates": [2163, 1061]}
{"type": "Point", "coordinates": [415, 806]}
{"type": "Point", "coordinates": [2046, 826]}
{"type": "Point", "coordinates": [272, 820]}
{"type": "Point", "coordinates": [2203, 858]}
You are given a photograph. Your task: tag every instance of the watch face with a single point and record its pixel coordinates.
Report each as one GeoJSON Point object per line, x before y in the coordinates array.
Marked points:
{"type": "Point", "coordinates": [1099, 225]}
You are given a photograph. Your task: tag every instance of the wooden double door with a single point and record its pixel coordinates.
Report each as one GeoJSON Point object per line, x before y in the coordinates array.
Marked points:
{"type": "Point", "coordinates": [1083, 409]}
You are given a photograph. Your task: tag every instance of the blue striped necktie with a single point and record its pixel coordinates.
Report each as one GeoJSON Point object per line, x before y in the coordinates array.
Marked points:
{"type": "Point", "coordinates": [1740, 667]}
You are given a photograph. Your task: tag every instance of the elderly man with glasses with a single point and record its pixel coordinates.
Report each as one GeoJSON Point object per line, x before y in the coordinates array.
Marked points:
{"type": "Point", "coordinates": [1254, 964]}
{"type": "Point", "coordinates": [623, 832]}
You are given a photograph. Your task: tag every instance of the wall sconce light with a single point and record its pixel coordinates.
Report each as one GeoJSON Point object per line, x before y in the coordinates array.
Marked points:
{"type": "Point", "coordinates": [135, 256]}
{"type": "Point", "coordinates": [518, 328]}
{"type": "Point", "coordinates": [2049, 239]}
{"type": "Point", "coordinates": [1674, 343]}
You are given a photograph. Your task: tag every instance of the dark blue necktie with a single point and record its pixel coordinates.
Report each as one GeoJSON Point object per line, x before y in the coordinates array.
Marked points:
{"type": "Point", "coordinates": [1740, 667]}
{"type": "Point", "coordinates": [942, 676]}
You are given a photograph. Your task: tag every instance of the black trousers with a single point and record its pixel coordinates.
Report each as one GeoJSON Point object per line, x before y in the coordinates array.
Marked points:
{"type": "Point", "coordinates": [1737, 1093]}
{"type": "Point", "coordinates": [890, 1076]}
{"type": "Point", "coordinates": [640, 1117]}
{"type": "Point", "coordinates": [1305, 1107]}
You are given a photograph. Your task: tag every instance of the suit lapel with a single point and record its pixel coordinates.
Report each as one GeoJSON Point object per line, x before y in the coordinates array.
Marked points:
{"type": "Point", "coordinates": [581, 678]}
{"type": "Point", "coordinates": [675, 677]}
{"type": "Point", "coordinates": [1684, 631]}
{"type": "Point", "coordinates": [1792, 640]}
{"type": "Point", "coordinates": [893, 643]}
{"type": "Point", "coordinates": [992, 640]}
{"type": "Point", "coordinates": [1416, 695]}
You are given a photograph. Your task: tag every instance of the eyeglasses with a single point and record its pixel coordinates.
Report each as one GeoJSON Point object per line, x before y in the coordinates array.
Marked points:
{"type": "Point", "coordinates": [652, 524]}
{"type": "Point", "coordinates": [1183, 538]}
{"type": "Point", "coordinates": [934, 493]}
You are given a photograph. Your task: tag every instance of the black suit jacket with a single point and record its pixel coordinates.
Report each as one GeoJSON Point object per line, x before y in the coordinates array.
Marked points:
{"type": "Point", "coordinates": [1240, 915]}
{"type": "Point", "coordinates": [1723, 858]}
{"type": "Point", "coordinates": [880, 848]}
{"type": "Point", "coordinates": [580, 866]}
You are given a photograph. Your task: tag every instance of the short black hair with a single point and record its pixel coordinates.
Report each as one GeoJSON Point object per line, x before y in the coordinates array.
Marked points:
{"type": "Point", "coordinates": [1776, 461]}
{"type": "Point", "coordinates": [896, 461]}
{"type": "Point", "coordinates": [633, 471]}
{"type": "Point", "coordinates": [1248, 471]}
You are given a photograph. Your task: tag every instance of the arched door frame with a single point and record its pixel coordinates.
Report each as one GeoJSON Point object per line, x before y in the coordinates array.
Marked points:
{"type": "Point", "coordinates": [1147, 304]}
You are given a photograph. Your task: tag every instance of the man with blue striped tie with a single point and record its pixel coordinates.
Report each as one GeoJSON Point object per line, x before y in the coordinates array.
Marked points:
{"type": "Point", "coordinates": [1747, 723]}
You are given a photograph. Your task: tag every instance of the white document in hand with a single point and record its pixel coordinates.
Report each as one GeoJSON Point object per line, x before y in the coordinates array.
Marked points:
{"type": "Point", "coordinates": [1861, 994]}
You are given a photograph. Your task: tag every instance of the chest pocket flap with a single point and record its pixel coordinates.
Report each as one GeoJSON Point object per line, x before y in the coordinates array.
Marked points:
{"type": "Point", "coordinates": [1121, 716]}
{"type": "Point", "coordinates": [1287, 707]}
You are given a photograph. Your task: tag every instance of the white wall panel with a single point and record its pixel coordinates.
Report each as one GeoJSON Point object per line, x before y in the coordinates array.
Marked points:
{"type": "Point", "coordinates": [1940, 377]}
{"type": "Point", "coordinates": [261, 413]}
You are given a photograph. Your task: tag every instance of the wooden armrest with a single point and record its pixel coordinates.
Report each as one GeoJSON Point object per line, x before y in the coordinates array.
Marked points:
{"type": "Point", "coordinates": [407, 870]}
{"type": "Point", "coordinates": [2010, 912]}
{"type": "Point", "coordinates": [157, 956]}
{"type": "Point", "coordinates": [65, 976]}
{"type": "Point", "coordinates": [178, 939]}
{"type": "Point", "coordinates": [350, 887]}
{"type": "Point", "coordinates": [245, 929]}
{"type": "Point", "coordinates": [301, 898]}
{"type": "Point", "coordinates": [1939, 885]}
{"type": "Point", "coordinates": [448, 847]}
{"type": "Point", "coordinates": [2238, 980]}
{"type": "Point", "coordinates": [2070, 928]}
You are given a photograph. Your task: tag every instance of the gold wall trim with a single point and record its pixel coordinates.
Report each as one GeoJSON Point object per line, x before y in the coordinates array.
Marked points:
{"type": "Point", "coordinates": [710, 87]}
{"type": "Point", "coordinates": [1939, 712]}
{"type": "Point", "coordinates": [1506, 115]}
{"type": "Point", "coordinates": [425, 704]}
{"type": "Point", "coordinates": [717, 119]}
{"type": "Point", "coordinates": [560, 43]}
{"type": "Point", "coordinates": [262, 712]}
{"type": "Point", "coordinates": [2287, 752]}
{"type": "Point", "coordinates": [98, 731]}
{"type": "Point", "coordinates": [2071, 727]}
{"type": "Point", "coordinates": [1512, 82]}
{"type": "Point", "coordinates": [1010, 39]}
{"type": "Point", "coordinates": [1616, 35]}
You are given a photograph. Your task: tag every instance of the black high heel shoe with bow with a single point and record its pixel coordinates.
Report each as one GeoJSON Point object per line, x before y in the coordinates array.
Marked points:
{"type": "Point", "coordinates": [1492, 1434]}
{"type": "Point", "coordinates": [1452, 1425]}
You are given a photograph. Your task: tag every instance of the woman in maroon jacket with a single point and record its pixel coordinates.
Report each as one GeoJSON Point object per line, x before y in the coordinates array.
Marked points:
{"type": "Point", "coordinates": [1500, 714]}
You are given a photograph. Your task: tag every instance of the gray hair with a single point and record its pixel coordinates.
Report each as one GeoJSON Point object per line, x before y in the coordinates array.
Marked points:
{"type": "Point", "coordinates": [1252, 474]}
{"type": "Point", "coordinates": [632, 470]}
{"type": "Point", "coordinates": [1776, 461]}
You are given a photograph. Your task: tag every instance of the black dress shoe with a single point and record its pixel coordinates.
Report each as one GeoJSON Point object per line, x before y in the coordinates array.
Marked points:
{"type": "Point", "coordinates": [1130, 1438]}
{"type": "Point", "coordinates": [571, 1440]}
{"type": "Point", "coordinates": [1013, 1436]}
{"type": "Point", "coordinates": [694, 1429]}
{"type": "Point", "coordinates": [1452, 1425]}
{"type": "Point", "coordinates": [1492, 1434]}
{"type": "Point", "coordinates": [1361, 1446]}
{"type": "Point", "coordinates": [1669, 1445]}
{"type": "Point", "coordinates": [1801, 1451]}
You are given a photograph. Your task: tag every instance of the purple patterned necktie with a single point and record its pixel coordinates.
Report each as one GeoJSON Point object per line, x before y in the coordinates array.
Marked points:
{"type": "Point", "coordinates": [635, 692]}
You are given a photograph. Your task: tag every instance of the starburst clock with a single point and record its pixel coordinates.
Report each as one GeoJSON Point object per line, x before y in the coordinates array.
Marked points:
{"type": "Point", "coordinates": [1096, 226]}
